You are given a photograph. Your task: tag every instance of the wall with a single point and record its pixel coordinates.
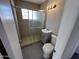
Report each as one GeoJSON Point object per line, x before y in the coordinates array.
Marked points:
{"type": "Point", "coordinates": [73, 42]}
{"type": "Point", "coordinates": [77, 50]}
{"type": "Point", "coordinates": [69, 18]}
{"type": "Point", "coordinates": [53, 18]}
{"type": "Point", "coordinates": [8, 33]}
{"type": "Point", "coordinates": [5, 41]}
{"type": "Point", "coordinates": [27, 5]}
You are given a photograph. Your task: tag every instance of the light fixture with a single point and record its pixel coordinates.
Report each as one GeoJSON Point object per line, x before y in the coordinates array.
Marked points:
{"type": "Point", "coordinates": [51, 7]}
{"type": "Point", "coordinates": [54, 6]}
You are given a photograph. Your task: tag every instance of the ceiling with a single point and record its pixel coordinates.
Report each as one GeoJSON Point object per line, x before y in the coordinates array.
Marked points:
{"type": "Point", "coordinates": [36, 1]}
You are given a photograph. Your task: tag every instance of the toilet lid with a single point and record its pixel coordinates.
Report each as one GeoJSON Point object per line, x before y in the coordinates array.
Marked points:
{"type": "Point", "coordinates": [48, 46]}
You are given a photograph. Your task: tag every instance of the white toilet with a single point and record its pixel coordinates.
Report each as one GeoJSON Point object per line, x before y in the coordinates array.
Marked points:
{"type": "Point", "coordinates": [48, 47]}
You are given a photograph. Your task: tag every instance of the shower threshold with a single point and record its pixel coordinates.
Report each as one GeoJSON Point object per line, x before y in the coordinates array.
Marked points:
{"type": "Point", "coordinates": [26, 41]}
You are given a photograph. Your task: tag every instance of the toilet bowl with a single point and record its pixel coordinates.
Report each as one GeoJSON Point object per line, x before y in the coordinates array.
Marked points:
{"type": "Point", "coordinates": [49, 47]}
{"type": "Point", "coordinates": [47, 50]}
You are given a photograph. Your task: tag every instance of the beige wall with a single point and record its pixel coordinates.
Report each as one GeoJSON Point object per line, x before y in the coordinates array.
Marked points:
{"type": "Point", "coordinates": [28, 5]}
{"type": "Point", "coordinates": [53, 16]}
{"type": "Point", "coordinates": [43, 5]}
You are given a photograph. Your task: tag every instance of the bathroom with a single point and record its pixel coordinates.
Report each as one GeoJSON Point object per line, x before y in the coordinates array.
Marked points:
{"type": "Point", "coordinates": [31, 17]}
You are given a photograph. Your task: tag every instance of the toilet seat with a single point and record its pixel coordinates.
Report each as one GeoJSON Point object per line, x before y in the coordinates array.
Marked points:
{"type": "Point", "coordinates": [47, 50]}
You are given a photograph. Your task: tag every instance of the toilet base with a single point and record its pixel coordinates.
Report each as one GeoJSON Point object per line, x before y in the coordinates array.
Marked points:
{"type": "Point", "coordinates": [46, 56]}
{"type": "Point", "coordinates": [47, 50]}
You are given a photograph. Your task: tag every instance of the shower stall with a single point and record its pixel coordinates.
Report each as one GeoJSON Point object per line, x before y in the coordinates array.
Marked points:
{"type": "Point", "coordinates": [30, 23]}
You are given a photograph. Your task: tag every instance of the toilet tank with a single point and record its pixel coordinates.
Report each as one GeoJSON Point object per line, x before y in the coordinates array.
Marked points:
{"type": "Point", "coordinates": [53, 39]}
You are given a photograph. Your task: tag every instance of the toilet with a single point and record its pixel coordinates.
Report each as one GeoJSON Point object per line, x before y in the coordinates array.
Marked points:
{"type": "Point", "coordinates": [49, 47]}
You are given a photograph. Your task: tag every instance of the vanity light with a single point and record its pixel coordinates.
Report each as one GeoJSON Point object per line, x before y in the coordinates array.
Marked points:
{"type": "Point", "coordinates": [51, 7]}
{"type": "Point", "coordinates": [54, 6]}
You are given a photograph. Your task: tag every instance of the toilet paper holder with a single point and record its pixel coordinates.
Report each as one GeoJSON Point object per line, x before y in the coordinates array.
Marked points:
{"type": "Point", "coordinates": [54, 50]}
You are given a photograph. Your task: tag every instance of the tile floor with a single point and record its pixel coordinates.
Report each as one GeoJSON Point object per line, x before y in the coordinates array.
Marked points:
{"type": "Point", "coordinates": [33, 51]}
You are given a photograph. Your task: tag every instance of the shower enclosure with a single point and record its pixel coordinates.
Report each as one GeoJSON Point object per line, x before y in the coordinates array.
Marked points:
{"type": "Point", "coordinates": [30, 23]}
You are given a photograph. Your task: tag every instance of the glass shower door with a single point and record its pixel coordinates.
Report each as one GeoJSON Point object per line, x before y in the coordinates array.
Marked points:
{"type": "Point", "coordinates": [30, 24]}
{"type": "Point", "coordinates": [36, 24]}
